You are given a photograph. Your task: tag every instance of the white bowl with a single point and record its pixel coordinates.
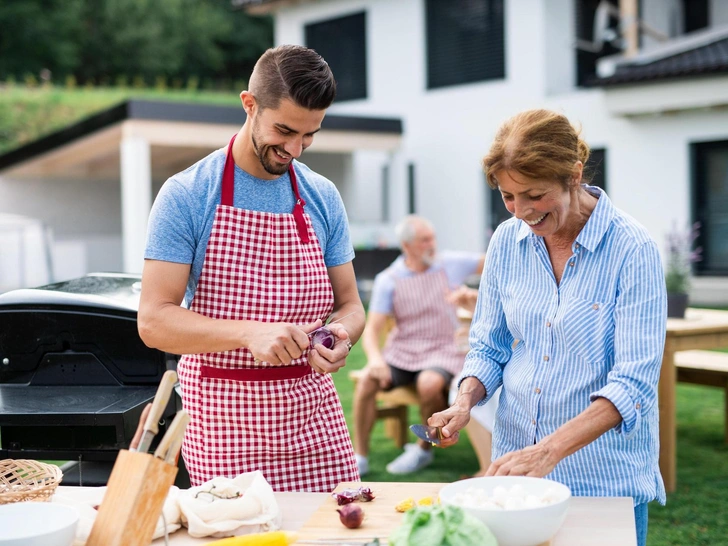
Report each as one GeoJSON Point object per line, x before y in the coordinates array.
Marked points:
{"type": "Point", "coordinates": [37, 524]}
{"type": "Point", "coordinates": [513, 527]}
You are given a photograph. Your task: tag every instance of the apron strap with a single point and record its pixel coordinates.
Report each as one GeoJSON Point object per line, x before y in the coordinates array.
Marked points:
{"type": "Point", "coordinates": [298, 213]}
{"type": "Point", "coordinates": [228, 191]}
{"type": "Point", "coordinates": [228, 176]}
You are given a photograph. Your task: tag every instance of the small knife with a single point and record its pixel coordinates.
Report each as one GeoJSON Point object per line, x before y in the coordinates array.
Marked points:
{"type": "Point", "coordinates": [151, 426]}
{"type": "Point", "coordinates": [427, 433]}
{"type": "Point", "coordinates": [172, 440]}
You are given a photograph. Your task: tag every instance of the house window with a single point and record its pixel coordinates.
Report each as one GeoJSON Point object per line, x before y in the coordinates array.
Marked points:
{"type": "Point", "coordinates": [710, 205]}
{"type": "Point", "coordinates": [342, 42]}
{"type": "Point", "coordinates": [595, 169]}
{"type": "Point", "coordinates": [589, 50]}
{"type": "Point", "coordinates": [465, 41]}
{"type": "Point", "coordinates": [695, 14]}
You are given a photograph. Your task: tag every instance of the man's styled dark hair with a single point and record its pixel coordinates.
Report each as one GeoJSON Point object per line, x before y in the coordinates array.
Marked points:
{"type": "Point", "coordinates": [292, 72]}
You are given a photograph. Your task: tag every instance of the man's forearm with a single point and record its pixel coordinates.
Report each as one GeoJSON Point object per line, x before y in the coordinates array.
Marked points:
{"type": "Point", "coordinates": [177, 330]}
{"type": "Point", "coordinates": [352, 317]}
{"type": "Point", "coordinates": [598, 418]}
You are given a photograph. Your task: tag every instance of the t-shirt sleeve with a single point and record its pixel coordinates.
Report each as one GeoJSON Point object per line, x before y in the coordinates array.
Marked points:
{"type": "Point", "coordinates": [339, 249]}
{"type": "Point", "coordinates": [170, 231]}
{"type": "Point", "coordinates": [382, 292]}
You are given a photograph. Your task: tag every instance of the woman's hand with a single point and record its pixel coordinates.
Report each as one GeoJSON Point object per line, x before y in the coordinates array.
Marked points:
{"type": "Point", "coordinates": [452, 420]}
{"type": "Point", "coordinates": [536, 461]}
{"type": "Point", "coordinates": [325, 360]}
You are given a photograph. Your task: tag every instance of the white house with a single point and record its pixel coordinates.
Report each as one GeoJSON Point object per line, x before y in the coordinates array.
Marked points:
{"type": "Point", "coordinates": [91, 184]}
{"type": "Point", "coordinates": [646, 79]}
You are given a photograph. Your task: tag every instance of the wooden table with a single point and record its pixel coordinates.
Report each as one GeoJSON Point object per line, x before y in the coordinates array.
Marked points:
{"type": "Point", "coordinates": [700, 329]}
{"type": "Point", "coordinates": [591, 521]}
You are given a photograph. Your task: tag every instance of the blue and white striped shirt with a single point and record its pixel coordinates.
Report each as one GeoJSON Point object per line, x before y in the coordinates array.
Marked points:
{"type": "Point", "coordinates": [599, 333]}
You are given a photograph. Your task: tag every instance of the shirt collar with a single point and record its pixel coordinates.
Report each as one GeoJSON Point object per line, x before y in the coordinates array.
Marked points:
{"type": "Point", "coordinates": [594, 229]}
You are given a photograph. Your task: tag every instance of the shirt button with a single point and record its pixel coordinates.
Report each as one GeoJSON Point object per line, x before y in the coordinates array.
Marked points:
{"type": "Point", "coordinates": [533, 421]}
{"type": "Point", "coordinates": [548, 325]}
{"type": "Point", "coordinates": [577, 245]}
{"type": "Point", "coordinates": [595, 306]}
{"type": "Point", "coordinates": [538, 391]}
{"type": "Point", "coordinates": [638, 406]}
{"type": "Point", "coordinates": [546, 358]}
{"type": "Point", "coordinates": [571, 264]}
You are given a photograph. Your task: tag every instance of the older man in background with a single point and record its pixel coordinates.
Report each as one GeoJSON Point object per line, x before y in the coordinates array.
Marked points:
{"type": "Point", "coordinates": [421, 349]}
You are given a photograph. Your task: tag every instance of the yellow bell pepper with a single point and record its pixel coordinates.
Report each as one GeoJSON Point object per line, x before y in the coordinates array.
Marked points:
{"type": "Point", "coordinates": [405, 505]}
{"type": "Point", "coordinates": [272, 538]}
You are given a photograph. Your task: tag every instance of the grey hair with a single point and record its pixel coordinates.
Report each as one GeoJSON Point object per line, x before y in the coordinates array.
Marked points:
{"type": "Point", "coordinates": [407, 227]}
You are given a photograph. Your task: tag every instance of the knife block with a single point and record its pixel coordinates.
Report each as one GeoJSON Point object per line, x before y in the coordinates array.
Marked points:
{"type": "Point", "coordinates": [138, 485]}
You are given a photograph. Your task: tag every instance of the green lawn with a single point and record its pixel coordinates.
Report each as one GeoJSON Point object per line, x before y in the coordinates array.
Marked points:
{"type": "Point", "coordinates": [695, 515]}
{"type": "Point", "coordinates": [29, 113]}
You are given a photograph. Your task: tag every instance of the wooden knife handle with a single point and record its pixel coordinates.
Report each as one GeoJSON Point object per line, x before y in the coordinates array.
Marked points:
{"type": "Point", "coordinates": [164, 391]}
{"type": "Point", "coordinates": [176, 431]}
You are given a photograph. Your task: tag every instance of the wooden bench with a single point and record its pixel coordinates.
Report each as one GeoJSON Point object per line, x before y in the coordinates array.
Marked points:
{"type": "Point", "coordinates": [392, 406]}
{"type": "Point", "coordinates": [704, 368]}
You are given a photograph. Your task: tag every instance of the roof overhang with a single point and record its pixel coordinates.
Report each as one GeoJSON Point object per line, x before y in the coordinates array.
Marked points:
{"type": "Point", "coordinates": [264, 7]}
{"type": "Point", "coordinates": [706, 93]}
{"type": "Point", "coordinates": [179, 134]}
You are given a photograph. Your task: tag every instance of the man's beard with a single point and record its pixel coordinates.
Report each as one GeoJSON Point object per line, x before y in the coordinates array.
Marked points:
{"type": "Point", "coordinates": [429, 259]}
{"type": "Point", "coordinates": [263, 156]}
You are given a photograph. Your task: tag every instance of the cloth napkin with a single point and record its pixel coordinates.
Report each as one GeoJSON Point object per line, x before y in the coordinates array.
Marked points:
{"type": "Point", "coordinates": [224, 507]}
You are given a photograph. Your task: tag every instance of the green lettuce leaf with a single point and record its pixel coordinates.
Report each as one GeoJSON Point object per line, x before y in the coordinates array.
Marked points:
{"type": "Point", "coordinates": [441, 526]}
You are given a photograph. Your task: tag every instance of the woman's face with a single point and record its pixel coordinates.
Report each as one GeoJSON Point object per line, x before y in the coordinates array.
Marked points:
{"type": "Point", "coordinates": [543, 204]}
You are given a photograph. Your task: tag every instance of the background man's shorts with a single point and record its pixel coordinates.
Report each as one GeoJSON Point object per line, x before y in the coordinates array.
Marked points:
{"type": "Point", "coordinates": [402, 378]}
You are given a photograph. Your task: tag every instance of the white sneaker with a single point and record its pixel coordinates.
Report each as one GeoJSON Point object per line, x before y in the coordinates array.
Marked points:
{"type": "Point", "coordinates": [362, 463]}
{"type": "Point", "coordinates": [413, 459]}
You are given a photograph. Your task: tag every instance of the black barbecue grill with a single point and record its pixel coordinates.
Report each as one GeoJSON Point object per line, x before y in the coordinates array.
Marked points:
{"type": "Point", "coordinates": [74, 373]}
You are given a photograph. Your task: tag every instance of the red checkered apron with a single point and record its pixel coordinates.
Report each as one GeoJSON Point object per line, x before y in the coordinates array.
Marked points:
{"type": "Point", "coordinates": [424, 336]}
{"type": "Point", "coordinates": [285, 421]}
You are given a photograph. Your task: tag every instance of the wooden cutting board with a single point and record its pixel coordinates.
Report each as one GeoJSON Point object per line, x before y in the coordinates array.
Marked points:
{"type": "Point", "coordinates": [380, 517]}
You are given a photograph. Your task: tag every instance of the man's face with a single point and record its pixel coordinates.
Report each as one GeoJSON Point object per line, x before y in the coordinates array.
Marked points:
{"type": "Point", "coordinates": [282, 134]}
{"type": "Point", "coordinates": [423, 247]}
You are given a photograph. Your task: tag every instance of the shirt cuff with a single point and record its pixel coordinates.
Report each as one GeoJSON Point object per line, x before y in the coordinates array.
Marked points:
{"type": "Point", "coordinates": [630, 410]}
{"type": "Point", "coordinates": [489, 378]}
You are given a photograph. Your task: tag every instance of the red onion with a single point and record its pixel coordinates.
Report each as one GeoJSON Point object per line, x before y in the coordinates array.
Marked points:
{"type": "Point", "coordinates": [351, 515]}
{"type": "Point", "coordinates": [322, 336]}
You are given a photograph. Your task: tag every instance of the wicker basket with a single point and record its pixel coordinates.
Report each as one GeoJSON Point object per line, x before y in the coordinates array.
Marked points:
{"type": "Point", "coordinates": [27, 480]}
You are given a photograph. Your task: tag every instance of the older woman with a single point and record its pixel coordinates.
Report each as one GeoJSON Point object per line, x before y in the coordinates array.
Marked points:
{"type": "Point", "coordinates": [570, 320]}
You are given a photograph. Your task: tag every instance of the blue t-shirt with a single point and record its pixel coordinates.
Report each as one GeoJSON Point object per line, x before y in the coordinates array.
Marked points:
{"type": "Point", "coordinates": [182, 216]}
{"type": "Point", "coordinates": [458, 267]}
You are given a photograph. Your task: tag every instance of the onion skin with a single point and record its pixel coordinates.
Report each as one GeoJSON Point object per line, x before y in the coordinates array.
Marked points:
{"type": "Point", "coordinates": [323, 336]}
{"type": "Point", "coordinates": [351, 515]}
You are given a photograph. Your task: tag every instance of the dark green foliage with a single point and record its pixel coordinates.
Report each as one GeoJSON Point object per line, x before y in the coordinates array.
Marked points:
{"type": "Point", "coordinates": [143, 40]}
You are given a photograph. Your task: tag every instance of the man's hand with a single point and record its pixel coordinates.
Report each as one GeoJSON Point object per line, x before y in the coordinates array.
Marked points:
{"type": "Point", "coordinates": [535, 461]}
{"type": "Point", "coordinates": [278, 343]}
{"type": "Point", "coordinates": [325, 360]}
{"type": "Point", "coordinates": [378, 370]}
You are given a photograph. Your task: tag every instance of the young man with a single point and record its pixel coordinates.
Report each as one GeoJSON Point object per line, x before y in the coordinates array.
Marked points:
{"type": "Point", "coordinates": [258, 246]}
{"type": "Point", "coordinates": [422, 349]}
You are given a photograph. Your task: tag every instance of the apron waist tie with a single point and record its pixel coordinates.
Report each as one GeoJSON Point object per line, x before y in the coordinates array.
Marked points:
{"type": "Point", "coordinates": [276, 373]}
